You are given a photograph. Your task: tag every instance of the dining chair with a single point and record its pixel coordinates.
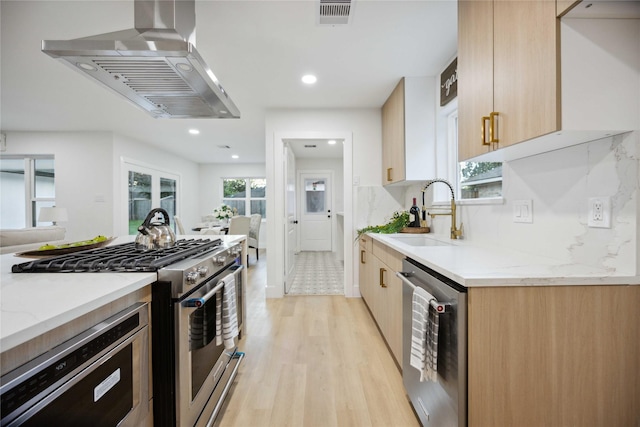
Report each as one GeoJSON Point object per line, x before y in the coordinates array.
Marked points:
{"type": "Point", "coordinates": [254, 233]}
{"type": "Point", "coordinates": [178, 222]}
{"type": "Point", "coordinates": [239, 225]}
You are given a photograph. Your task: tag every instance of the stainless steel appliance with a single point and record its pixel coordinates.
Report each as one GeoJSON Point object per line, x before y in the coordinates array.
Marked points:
{"type": "Point", "coordinates": [192, 371]}
{"type": "Point", "coordinates": [155, 65]}
{"type": "Point", "coordinates": [443, 402]}
{"type": "Point", "coordinates": [100, 376]}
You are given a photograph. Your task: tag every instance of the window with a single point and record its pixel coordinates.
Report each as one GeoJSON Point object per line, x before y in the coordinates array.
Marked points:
{"type": "Point", "coordinates": [471, 180]}
{"type": "Point", "coordinates": [247, 195]}
{"type": "Point", "coordinates": [480, 180]}
{"type": "Point", "coordinates": [28, 183]}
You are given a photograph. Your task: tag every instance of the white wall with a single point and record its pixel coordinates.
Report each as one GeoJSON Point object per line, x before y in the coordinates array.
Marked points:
{"type": "Point", "coordinates": [88, 177]}
{"type": "Point", "coordinates": [83, 182]}
{"type": "Point", "coordinates": [210, 179]}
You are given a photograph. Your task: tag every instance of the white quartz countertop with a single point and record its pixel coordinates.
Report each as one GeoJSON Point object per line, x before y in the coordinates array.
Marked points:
{"type": "Point", "coordinates": [35, 303]}
{"type": "Point", "coordinates": [479, 266]}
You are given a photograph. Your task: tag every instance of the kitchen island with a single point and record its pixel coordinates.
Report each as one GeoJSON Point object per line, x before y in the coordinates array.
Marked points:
{"type": "Point", "coordinates": [548, 343]}
{"type": "Point", "coordinates": [40, 310]}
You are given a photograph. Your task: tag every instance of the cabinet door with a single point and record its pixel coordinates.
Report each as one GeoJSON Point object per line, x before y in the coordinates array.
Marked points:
{"type": "Point", "coordinates": [365, 276]}
{"type": "Point", "coordinates": [475, 71]}
{"type": "Point", "coordinates": [393, 136]}
{"type": "Point", "coordinates": [525, 76]}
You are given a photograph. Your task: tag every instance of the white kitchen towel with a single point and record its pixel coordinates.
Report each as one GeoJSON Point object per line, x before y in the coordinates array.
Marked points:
{"type": "Point", "coordinates": [229, 312]}
{"type": "Point", "coordinates": [424, 335]}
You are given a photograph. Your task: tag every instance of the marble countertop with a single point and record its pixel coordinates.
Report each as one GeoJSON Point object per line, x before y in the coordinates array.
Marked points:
{"type": "Point", "coordinates": [480, 266]}
{"type": "Point", "coordinates": [34, 303]}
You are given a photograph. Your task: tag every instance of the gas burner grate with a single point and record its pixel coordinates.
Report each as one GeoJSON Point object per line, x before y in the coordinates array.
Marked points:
{"type": "Point", "coordinates": [118, 258]}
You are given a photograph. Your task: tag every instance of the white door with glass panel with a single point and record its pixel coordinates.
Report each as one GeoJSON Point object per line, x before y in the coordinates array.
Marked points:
{"type": "Point", "coordinates": [315, 212]}
{"type": "Point", "coordinates": [146, 189]}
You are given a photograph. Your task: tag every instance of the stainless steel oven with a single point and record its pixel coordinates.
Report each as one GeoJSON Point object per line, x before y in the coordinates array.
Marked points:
{"type": "Point", "coordinates": [99, 377]}
{"type": "Point", "coordinates": [440, 401]}
{"type": "Point", "coordinates": [195, 366]}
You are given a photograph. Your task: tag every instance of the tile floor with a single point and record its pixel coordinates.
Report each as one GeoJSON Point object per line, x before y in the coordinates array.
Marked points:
{"type": "Point", "coordinates": [317, 273]}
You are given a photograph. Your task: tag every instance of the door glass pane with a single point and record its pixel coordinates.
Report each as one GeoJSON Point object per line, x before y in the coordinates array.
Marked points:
{"type": "Point", "coordinates": [12, 192]}
{"type": "Point", "coordinates": [168, 196]}
{"type": "Point", "coordinates": [314, 190]}
{"type": "Point", "coordinates": [139, 199]}
{"type": "Point", "coordinates": [44, 178]}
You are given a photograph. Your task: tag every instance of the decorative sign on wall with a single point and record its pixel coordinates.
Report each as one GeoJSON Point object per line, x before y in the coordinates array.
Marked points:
{"type": "Point", "coordinates": [449, 83]}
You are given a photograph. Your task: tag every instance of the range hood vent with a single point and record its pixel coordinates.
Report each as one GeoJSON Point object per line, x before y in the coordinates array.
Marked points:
{"type": "Point", "coordinates": [334, 12]}
{"type": "Point", "coordinates": [156, 65]}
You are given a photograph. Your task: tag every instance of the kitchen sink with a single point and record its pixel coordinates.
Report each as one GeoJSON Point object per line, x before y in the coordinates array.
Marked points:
{"type": "Point", "coordinates": [418, 240]}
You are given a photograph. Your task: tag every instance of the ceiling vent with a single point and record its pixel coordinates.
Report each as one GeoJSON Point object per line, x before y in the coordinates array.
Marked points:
{"type": "Point", "coordinates": [335, 12]}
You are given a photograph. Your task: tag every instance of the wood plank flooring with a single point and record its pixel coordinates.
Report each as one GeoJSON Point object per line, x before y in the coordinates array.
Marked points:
{"type": "Point", "coordinates": [313, 361]}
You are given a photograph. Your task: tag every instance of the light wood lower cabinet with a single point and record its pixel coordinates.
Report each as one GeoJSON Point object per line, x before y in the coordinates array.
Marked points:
{"type": "Point", "coordinates": [554, 356]}
{"type": "Point", "coordinates": [382, 290]}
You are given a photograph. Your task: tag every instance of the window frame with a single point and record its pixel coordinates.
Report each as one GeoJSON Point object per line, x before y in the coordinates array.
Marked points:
{"type": "Point", "coordinates": [31, 200]}
{"type": "Point", "coordinates": [248, 198]}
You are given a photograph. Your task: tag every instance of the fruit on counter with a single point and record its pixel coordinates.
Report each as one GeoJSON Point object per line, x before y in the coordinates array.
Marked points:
{"type": "Point", "coordinates": [93, 241]}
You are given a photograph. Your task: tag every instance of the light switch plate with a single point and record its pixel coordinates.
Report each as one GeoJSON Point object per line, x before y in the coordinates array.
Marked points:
{"type": "Point", "coordinates": [523, 211]}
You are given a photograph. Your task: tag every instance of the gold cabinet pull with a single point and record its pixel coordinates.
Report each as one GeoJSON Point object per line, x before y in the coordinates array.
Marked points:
{"type": "Point", "coordinates": [493, 134]}
{"type": "Point", "coordinates": [484, 130]}
{"type": "Point", "coordinates": [382, 284]}
{"type": "Point", "coordinates": [362, 261]}
{"type": "Point", "coordinates": [389, 174]}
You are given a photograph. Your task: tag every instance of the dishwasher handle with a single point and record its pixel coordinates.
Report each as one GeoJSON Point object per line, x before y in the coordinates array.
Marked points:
{"type": "Point", "coordinates": [440, 307]}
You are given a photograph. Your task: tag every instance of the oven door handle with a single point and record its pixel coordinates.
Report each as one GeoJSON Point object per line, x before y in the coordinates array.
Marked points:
{"type": "Point", "coordinates": [199, 302]}
{"type": "Point", "coordinates": [440, 307]}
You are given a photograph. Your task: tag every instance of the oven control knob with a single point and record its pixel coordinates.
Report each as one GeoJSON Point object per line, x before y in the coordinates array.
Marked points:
{"type": "Point", "coordinates": [219, 259]}
{"type": "Point", "coordinates": [202, 271]}
{"type": "Point", "coordinates": [192, 277]}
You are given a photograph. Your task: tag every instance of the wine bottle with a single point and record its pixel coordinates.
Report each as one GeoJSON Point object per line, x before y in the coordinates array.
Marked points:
{"type": "Point", "coordinates": [414, 215]}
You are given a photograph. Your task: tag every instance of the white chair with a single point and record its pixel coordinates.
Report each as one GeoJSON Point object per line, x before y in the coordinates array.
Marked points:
{"type": "Point", "coordinates": [239, 225]}
{"type": "Point", "coordinates": [254, 232]}
{"type": "Point", "coordinates": [178, 222]}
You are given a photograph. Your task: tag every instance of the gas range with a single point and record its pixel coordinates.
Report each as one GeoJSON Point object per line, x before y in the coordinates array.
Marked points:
{"type": "Point", "coordinates": [119, 258]}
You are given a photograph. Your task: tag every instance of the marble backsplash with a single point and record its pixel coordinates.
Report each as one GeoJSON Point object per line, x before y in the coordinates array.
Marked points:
{"type": "Point", "coordinates": [559, 184]}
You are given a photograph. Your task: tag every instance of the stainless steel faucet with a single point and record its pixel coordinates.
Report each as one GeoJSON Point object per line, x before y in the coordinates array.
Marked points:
{"type": "Point", "coordinates": [455, 232]}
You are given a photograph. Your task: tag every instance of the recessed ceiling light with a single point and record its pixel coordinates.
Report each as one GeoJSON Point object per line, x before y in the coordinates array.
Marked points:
{"type": "Point", "coordinates": [331, 142]}
{"type": "Point", "coordinates": [235, 156]}
{"type": "Point", "coordinates": [309, 79]}
{"type": "Point", "coordinates": [194, 131]}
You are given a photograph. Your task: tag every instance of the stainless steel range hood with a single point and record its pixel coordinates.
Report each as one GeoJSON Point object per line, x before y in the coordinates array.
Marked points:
{"type": "Point", "coordinates": [156, 65]}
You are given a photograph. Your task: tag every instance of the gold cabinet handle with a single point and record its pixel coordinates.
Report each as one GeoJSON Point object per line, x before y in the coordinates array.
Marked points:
{"type": "Point", "coordinates": [382, 284]}
{"type": "Point", "coordinates": [493, 134]}
{"type": "Point", "coordinates": [484, 130]}
{"type": "Point", "coordinates": [362, 261]}
{"type": "Point", "coordinates": [389, 174]}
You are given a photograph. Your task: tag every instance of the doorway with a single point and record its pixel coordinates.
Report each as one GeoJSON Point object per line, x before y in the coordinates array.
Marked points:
{"type": "Point", "coordinates": [341, 204]}
{"type": "Point", "coordinates": [316, 219]}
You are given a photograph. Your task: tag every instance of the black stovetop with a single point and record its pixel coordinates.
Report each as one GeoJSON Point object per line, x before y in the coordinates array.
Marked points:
{"type": "Point", "coordinates": [118, 258]}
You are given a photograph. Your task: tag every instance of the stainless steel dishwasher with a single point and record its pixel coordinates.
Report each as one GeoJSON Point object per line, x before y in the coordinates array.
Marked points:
{"type": "Point", "coordinates": [443, 402]}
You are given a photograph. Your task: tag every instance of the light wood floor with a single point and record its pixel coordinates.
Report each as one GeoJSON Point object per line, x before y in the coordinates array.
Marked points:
{"type": "Point", "coordinates": [313, 361]}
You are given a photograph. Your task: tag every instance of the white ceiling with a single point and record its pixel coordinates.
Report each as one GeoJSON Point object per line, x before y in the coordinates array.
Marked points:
{"type": "Point", "coordinates": [258, 50]}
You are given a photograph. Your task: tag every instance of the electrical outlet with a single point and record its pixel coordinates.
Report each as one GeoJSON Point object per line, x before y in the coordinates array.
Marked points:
{"type": "Point", "coordinates": [599, 213]}
{"type": "Point", "coordinates": [523, 211]}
